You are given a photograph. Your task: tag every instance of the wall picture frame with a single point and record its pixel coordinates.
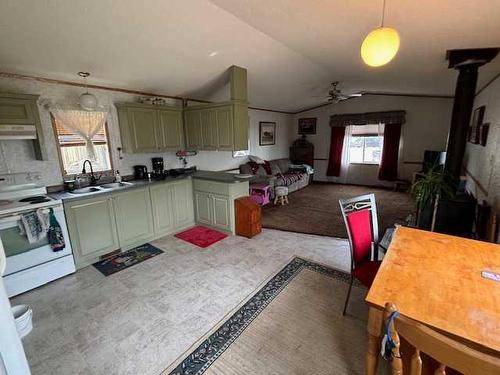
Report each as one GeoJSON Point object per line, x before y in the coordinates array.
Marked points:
{"type": "Point", "coordinates": [267, 133]}
{"type": "Point", "coordinates": [474, 133]}
{"type": "Point", "coordinates": [307, 125]}
{"type": "Point", "coordinates": [483, 134]}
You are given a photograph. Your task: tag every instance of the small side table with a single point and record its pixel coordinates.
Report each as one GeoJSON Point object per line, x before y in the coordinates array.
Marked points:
{"type": "Point", "coordinates": [260, 193]}
{"type": "Point", "coordinates": [248, 217]}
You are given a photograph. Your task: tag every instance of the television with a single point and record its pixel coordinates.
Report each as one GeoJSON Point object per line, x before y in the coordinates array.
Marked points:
{"type": "Point", "coordinates": [432, 159]}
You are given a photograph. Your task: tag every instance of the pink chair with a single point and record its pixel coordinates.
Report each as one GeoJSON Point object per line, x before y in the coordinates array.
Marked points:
{"type": "Point", "coordinates": [360, 217]}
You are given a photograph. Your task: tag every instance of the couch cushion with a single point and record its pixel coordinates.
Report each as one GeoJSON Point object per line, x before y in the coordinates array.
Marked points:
{"type": "Point", "coordinates": [256, 159]}
{"type": "Point", "coordinates": [261, 171]}
{"type": "Point", "coordinates": [245, 169]}
{"type": "Point", "coordinates": [275, 169]}
{"type": "Point", "coordinates": [283, 164]}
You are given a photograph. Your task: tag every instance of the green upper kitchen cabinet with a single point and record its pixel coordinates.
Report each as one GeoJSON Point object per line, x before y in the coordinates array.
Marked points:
{"type": "Point", "coordinates": [134, 219]}
{"type": "Point", "coordinates": [19, 118]}
{"type": "Point", "coordinates": [217, 126]}
{"type": "Point", "coordinates": [193, 130]}
{"type": "Point", "coordinates": [146, 128]}
{"type": "Point", "coordinates": [170, 131]}
{"type": "Point", "coordinates": [209, 129]}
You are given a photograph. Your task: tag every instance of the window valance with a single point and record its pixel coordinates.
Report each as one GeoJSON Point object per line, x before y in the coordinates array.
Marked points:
{"type": "Point", "coordinates": [387, 118]}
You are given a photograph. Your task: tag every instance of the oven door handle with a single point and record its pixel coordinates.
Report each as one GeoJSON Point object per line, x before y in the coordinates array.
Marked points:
{"type": "Point", "coordinates": [16, 216]}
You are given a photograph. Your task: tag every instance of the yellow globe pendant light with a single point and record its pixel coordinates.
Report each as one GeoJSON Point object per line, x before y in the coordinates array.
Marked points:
{"type": "Point", "coordinates": [381, 45]}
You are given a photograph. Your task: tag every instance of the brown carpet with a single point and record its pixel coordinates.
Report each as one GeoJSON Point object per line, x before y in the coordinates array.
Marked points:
{"type": "Point", "coordinates": [315, 209]}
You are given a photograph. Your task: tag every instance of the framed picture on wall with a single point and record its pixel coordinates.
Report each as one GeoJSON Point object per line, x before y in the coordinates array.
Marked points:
{"type": "Point", "coordinates": [475, 127]}
{"type": "Point", "coordinates": [483, 136]}
{"type": "Point", "coordinates": [307, 125]}
{"type": "Point", "coordinates": [267, 133]}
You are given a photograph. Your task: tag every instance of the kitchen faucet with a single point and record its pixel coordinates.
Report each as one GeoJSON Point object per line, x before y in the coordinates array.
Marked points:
{"type": "Point", "coordinates": [93, 179]}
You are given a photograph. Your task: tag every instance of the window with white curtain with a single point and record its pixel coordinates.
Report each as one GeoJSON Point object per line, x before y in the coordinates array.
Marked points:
{"type": "Point", "coordinates": [74, 148]}
{"type": "Point", "coordinates": [366, 143]}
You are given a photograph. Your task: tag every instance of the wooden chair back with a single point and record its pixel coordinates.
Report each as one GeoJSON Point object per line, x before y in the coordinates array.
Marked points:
{"type": "Point", "coordinates": [445, 350]}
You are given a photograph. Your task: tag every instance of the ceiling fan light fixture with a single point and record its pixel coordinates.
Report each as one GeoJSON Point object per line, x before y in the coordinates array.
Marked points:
{"type": "Point", "coordinates": [380, 46]}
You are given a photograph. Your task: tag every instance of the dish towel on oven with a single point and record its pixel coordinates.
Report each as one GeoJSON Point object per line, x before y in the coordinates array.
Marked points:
{"type": "Point", "coordinates": [34, 225]}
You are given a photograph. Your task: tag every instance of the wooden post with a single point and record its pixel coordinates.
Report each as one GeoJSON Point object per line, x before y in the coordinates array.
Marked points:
{"type": "Point", "coordinates": [374, 327]}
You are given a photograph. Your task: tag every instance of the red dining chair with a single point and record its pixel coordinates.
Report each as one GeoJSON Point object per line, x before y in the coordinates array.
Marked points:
{"type": "Point", "coordinates": [360, 217]}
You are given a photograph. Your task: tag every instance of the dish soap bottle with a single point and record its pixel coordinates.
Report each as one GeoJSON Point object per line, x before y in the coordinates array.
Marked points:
{"type": "Point", "coordinates": [118, 178]}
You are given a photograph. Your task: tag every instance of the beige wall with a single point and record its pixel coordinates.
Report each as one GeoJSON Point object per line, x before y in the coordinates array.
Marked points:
{"type": "Point", "coordinates": [483, 163]}
{"type": "Point", "coordinates": [17, 156]}
{"type": "Point", "coordinates": [426, 128]}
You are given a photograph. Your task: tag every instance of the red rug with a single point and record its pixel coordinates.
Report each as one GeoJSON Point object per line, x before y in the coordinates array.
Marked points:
{"type": "Point", "coordinates": [201, 236]}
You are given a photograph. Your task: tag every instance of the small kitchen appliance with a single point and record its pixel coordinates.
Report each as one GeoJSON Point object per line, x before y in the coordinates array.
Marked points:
{"type": "Point", "coordinates": [158, 168]}
{"type": "Point", "coordinates": [140, 172]}
{"type": "Point", "coordinates": [31, 264]}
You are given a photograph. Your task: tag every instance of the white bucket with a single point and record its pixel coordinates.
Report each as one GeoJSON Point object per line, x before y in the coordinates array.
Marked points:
{"type": "Point", "coordinates": [23, 315]}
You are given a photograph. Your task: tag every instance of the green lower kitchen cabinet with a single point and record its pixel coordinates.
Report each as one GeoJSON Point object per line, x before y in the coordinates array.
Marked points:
{"type": "Point", "coordinates": [172, 204]}
{"type": "Point", "coordinates": [183, 203]}
{"type": "Point", "coordinates": [134, 219]}
{"type": "Point", "coordinates": [214, 203]}
{"type": "Point", "coordinates": [204, 207]}
{"type": "Point", "coordinates": [92, 228]}
{"type": "Point", "coordinates": [146, 128]}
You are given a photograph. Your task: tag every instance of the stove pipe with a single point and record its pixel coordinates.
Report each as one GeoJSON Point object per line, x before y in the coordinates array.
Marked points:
{"type": "Point", "coordinates": [467, 62]}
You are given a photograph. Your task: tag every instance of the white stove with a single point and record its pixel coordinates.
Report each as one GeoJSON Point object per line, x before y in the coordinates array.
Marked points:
{"type": "Point", "coordinates": [30, 265]}
{"type": "Point", "coordinates": [19, 198]}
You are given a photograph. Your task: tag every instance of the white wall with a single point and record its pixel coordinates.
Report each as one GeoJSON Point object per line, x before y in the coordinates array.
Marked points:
{"type": "Point", "coordinates": [483, 163]}
{"type": "Point", "coordinates": [426, 128]}
{"type": "Point", "coordinates": [17, 156]}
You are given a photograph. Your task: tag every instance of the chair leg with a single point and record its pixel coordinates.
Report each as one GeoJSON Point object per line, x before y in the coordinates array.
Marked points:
{"type": "Point", "coordinates": [348, 295]}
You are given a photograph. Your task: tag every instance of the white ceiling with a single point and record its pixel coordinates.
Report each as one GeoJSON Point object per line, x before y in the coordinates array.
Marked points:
{"type": "Point", "coordinates": [291, 48]}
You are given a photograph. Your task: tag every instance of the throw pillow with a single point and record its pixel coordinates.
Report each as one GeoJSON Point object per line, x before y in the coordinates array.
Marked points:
{"type": "Point", "coordinates": [275, 169]}
{"type": "Point", "coordinates": [256, 159]}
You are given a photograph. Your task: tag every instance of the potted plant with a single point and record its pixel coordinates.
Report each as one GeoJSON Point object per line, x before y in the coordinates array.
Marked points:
{"type": "Point", "coordinates": [435, 185]}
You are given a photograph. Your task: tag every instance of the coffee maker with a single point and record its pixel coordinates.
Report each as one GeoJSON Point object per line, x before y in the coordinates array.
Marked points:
{"type": "Point", "coordinates": [158, 168]}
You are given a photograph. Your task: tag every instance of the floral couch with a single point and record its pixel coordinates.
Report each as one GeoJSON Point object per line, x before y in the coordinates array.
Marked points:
{"type": "Point", "coordinates": [276, 173]}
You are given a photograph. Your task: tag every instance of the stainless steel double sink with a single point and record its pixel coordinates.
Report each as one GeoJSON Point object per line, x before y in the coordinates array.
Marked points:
{"type": "Point", "coordinates": [103, 187]}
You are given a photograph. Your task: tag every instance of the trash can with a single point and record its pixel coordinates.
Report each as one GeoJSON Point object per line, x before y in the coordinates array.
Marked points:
{"type": "Point", "coordinates": [23, 316]}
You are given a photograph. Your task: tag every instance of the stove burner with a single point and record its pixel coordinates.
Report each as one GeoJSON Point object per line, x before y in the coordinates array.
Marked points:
{"type": "Point", "coordinates": [35, 198]}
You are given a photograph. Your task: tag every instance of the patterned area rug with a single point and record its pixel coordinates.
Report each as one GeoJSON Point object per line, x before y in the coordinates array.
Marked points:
{"type": "Point", "coordinates": [127, 259]}
{"type": "Point", "coordinates": [292, 325]}
{"type": "Point", "coordinates": [201, 236]}
{"type": "Point", "coordinates": [315, 209]}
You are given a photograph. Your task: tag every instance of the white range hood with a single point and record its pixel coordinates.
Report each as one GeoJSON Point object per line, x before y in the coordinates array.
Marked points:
{"type": "Point", "coordinates": [17, 132]}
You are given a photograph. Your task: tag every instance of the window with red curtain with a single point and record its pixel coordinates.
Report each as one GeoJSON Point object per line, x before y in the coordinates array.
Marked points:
{"type": "Point", "coordinates": [336, 146]}
{"type": "Point", "coordinates": [389, 163]}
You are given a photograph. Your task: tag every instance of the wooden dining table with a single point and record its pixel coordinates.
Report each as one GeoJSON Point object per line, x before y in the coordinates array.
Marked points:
{"type": "Point", "coordinates": [443, 281]}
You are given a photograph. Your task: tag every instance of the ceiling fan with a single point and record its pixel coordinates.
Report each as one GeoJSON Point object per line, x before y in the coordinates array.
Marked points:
{"type": "Point", "coordinates": [335, 95]}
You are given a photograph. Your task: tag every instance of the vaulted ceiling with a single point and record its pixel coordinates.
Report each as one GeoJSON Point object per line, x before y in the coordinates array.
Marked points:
{"type": "Point", "coordinates": [291, 48]}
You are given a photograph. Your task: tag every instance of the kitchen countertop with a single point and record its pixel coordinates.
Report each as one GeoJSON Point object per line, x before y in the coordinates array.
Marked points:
{"type": "Point", "coordinates": [202, 175]}
{"type": "Point", "coordinates": [228, 178]}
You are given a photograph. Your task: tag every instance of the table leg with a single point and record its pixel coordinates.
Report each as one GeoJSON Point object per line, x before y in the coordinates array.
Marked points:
{"type": "Point", "coordinates": [375, 322]}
